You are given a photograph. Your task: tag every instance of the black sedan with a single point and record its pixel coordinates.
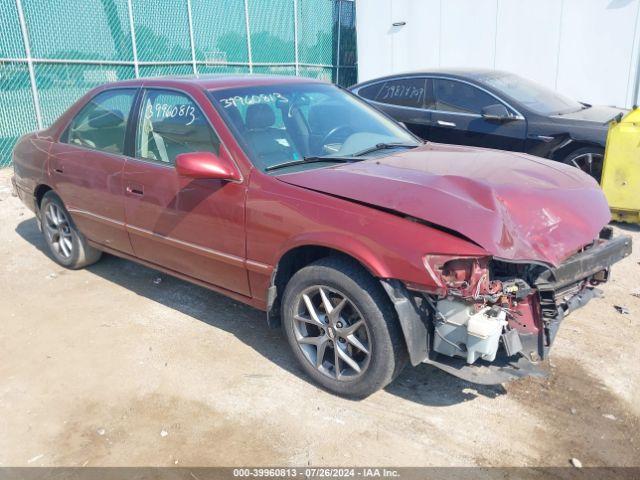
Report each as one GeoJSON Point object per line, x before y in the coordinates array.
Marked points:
{"type": "Point", "coordinates": [494, 109]}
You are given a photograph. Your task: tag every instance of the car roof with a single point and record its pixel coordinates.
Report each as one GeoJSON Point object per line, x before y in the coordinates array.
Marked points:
{"type": "Point", "coordinates": [214, 82]}
{"type": "Point", "coordinates": [462, 73]}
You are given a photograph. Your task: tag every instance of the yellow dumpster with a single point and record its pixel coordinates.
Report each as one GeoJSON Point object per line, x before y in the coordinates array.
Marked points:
{"type": "Point", "coordinates": [621, 171]}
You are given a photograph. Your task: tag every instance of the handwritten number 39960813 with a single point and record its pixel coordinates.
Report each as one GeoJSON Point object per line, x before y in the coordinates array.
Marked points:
{"type": "Point", "coordinates": [165, 110]}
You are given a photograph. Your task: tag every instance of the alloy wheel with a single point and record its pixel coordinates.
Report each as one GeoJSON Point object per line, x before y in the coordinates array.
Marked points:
{"type": "Point", "coordinates": [332, 333]}
{"type": "Point", "coordinates": [58, 230]}
{"type": "Point", "coordinates": [590, 163]}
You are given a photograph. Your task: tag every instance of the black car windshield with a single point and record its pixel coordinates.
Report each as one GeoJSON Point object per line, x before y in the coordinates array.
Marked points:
{"type": "Point", "coordinates": [281, 125]}
{"type": "Point", "coordinates": [535, 97]}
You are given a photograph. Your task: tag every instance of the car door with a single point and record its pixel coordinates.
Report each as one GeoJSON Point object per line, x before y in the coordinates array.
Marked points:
{"type": "Point", "coordinates": [404, 99]}
{"type": "Point", "coordinates": [192, 226]}
{"type": "Point", "coordinates": [458, 118]}
{"type": "Point", "coordinates": [87, 164]}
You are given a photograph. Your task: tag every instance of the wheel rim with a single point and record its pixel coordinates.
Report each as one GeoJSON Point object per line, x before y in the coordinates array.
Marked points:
{"type": "Point", "coordinates": [590, 163]}
{"type": "Point", "coordinates": [58, 231]}
{"type": "Point", "coordinates": [332, 333]}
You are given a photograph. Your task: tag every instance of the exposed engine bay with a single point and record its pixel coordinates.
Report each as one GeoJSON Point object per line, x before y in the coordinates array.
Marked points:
{"type": "Point", "coordinates": [486, 310]}
{"type": "Point", "coordinates": [487, 304]}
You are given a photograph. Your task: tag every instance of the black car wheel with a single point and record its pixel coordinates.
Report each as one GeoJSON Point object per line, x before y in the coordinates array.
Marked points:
{"type": "Point", "coordinates": [589, 159]}
{"type": "Point", "coordinates": [67, 245]}
{"type": "Point", "coordinates": [342, 327]}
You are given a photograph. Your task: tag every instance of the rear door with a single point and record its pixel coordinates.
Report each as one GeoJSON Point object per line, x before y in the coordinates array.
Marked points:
{"type": "Point", "coordinates": [404, 99]}
{"type": "Point", "coordinates": [87, 164]}
{"type": "Point", "coordinates": [457, 118]}
{"type": "Point", "coordinates": [194, 227]}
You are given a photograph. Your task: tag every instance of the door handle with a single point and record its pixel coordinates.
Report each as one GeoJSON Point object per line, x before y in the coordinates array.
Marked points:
{"type": "Point", "coordinates": [58, 170]}
{"type": "Point", "coordinates": [442, 123]}
{"type": "Point", "coordinates": [131, 190]}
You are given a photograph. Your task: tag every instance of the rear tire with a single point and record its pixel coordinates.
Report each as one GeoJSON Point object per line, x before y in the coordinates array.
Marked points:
{"type": "Point", "coordinates": [360, 333]}
{"type": "Point", "coordinates": [588, 159]}
{"type": "Point", "coordinates": [66, 243]}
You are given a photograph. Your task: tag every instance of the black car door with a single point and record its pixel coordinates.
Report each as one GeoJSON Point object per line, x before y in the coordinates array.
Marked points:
{"type": "Point", "coordinates": [461, 116]}
{"type": "Point", "coordinates": [404, 99]}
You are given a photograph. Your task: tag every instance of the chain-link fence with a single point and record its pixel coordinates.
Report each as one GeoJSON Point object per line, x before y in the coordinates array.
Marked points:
{"type": "Point", "coordinates": [53, 51]}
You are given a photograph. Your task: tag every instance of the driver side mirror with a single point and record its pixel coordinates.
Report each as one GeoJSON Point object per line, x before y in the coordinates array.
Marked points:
{"type": "Point", "coordinates": [207, 165]}
{"type": "Point", "coordinates": [497, 112]}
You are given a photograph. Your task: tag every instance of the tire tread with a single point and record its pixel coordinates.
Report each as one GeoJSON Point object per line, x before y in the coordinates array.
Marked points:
{"type": "Point", "coordinates": [333, 267]}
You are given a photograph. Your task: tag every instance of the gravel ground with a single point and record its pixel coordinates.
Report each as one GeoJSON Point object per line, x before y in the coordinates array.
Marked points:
{"type": "Point", "coordinates": [109, 367]}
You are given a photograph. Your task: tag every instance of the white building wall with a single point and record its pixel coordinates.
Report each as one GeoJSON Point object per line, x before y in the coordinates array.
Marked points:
{"type": "Point", "coordinates": [587, 49]}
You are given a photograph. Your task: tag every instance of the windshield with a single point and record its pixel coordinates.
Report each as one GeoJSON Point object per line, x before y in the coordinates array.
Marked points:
{"type": "Point", "coordinates": [537, 98]}
{"type": "Point", "coordinates": [286, 124]}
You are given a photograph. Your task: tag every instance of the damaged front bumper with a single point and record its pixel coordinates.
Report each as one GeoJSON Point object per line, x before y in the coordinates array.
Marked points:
{"type": "Point", "coordinates": [534, 320]}
{"type": "Point", "coordinates": [572, 284]}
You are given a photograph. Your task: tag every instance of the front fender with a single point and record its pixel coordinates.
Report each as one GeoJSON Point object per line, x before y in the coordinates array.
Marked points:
{"type": "Point", "coordinates": [343, 243]}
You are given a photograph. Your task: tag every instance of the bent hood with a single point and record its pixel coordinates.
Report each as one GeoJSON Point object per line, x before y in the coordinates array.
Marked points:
{"type": "Point", "coordinates": [515, 206]}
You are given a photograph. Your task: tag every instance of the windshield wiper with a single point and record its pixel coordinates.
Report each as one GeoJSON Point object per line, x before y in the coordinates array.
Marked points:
{"type": "Point", "coordinates": [293, 163]}
{"type": "Point", "coordinates": [383, 146]}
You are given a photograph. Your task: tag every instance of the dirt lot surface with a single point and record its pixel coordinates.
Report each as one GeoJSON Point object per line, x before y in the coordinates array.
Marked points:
{"type": "Point", "coordinates": [108, 366]}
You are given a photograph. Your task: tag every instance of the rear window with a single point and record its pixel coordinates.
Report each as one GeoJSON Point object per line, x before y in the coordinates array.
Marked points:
{"type": "Point", "coordinates": [404, 92]}
{"type": "Point", "coordinates": [102, 123]}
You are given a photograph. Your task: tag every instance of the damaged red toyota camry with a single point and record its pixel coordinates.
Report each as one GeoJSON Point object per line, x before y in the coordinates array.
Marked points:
{"type": "Point", "coordinates": [369, 247]}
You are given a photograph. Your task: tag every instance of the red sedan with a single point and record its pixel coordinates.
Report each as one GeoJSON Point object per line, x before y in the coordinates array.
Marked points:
{"type": "Point", "coordinates": [370, 247]}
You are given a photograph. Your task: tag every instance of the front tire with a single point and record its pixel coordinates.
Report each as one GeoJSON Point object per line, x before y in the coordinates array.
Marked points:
{"type": "Point", "coordinates": [588, 159]}
{"type": "Point", "coordinates": [66, 243]}
{"type": "Point", "coordinates": [342, 327]}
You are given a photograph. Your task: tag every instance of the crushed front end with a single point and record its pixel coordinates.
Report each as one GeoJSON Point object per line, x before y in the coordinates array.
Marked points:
{"type": "Point", "coordinates": [490, 321]}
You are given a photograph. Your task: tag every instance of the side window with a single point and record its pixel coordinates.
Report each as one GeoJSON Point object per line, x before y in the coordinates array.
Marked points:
{"type": "Point", "coordinates": [170, 124]}
{"type": "Point", "coordinates": [454, 96]}
{"type": "Point", "coordinates": [102, 123]}
{"type": "Point", "coordinates": [407, 92]}
{"type": "Point", "coordinates": [370, 92]}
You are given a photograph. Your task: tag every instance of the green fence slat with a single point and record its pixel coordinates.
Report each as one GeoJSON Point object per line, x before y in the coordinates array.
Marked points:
{"type": "Point", "coordinates": [272, 31]}
{"type": "Point", "coordinates": [275, 70]}
{"type": "Point", "coordinates": [317, 32]}
{"type": "Point", "coordinates": [321, 73]}
{"type": "Point", "coordinates": [222, 69]}
{"type": "Point", "coordinates": [78, 45]}
{"type": "Point", "coordinates": [17, 115]}
{"type": "Point", "coordinates": [165, 70]}
{"type": "Point", "coordinates": [11, 44]}
{"type": "Point", "coordinates": [79, 30]}
{"type": "Point", "coordinates": [219, 31]}
{"type": "Point", "coordinates": [162, 30]}
{"type": "Point", "coordinates": [60, 85]}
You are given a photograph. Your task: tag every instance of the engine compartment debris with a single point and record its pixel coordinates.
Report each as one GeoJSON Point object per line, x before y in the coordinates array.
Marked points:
{"type": "Point", "coordinates": [486, 310]}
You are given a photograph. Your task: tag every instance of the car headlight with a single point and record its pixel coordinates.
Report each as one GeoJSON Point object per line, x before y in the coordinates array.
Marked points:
{"type": "Point", "coordinates": [464, 276]}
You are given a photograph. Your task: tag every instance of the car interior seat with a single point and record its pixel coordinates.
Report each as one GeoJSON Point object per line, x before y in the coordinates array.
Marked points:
{"type": "Point", "coordinates": [270, 144]}
{"type": "Point", "coordinates": [173, 136]}
{"type": "Point", "coordinates": [104, 129]}
{"type": "Point", "coordinates": [236, 117]}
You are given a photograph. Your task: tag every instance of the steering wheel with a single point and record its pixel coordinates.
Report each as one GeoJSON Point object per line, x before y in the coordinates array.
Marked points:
{"type": "Point", "coordinates": [341, 132]}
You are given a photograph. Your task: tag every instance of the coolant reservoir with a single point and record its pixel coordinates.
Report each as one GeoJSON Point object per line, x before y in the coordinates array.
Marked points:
{"type": "Point", "coordinates": [483, 335]}
{"type": "Point", "coordinates": [462, 332]}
